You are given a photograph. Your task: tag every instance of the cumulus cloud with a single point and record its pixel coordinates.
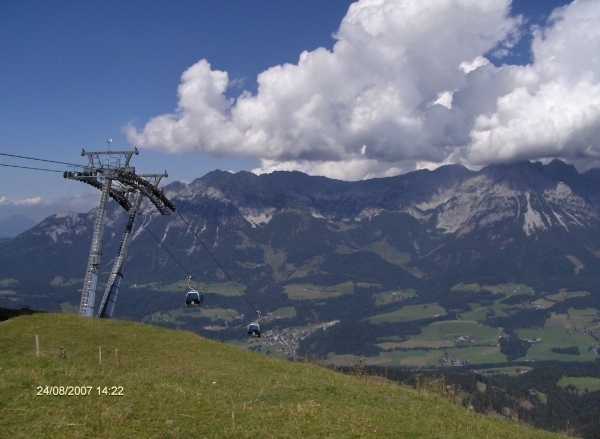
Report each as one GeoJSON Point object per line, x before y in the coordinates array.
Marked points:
{"type": "Point", "coordinates": [23, 202]}
{"type": "Point", "coordinates": [407, 83]}
{"type": "Point", "coordinates": [38, 208]}
{"type": "Point", "coordinates": [553, 107]}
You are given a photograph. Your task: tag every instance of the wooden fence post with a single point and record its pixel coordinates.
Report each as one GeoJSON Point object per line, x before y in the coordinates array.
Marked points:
{"type": "Point", "coordinates": [100, 355]}
{"type": "Point", "coordinates": [37, 346]}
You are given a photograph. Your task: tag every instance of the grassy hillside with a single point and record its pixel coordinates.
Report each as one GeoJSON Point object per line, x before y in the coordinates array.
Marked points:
{"type": "Point", "coordinates": [176, 384]}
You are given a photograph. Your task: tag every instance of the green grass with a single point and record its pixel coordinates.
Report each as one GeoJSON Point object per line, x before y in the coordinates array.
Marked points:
{"type": "Point", "coordinates": [344, 249]}
{"type": "Point", "coordinates": [285, 312]}
{"type": "Point", "coordinates": [542, 303]}
{"type": "Point", "coordinates": [173, 315]}
{"type": "Point", "coordinates": [387, 297]}
{"type": "Point", "coordinates": [478, 354]}
{"type": "Point", "coordinates": [508, 289]}
{"type": "Point", "coordinates": [510, 371]}
{"type": "Point", "coordinates": [431, 357]}
{"type": "Point", "coordinates": [486, 334]}
{"type": "Point", "coordinates": [575, 319]}
{"type": "Point", "coordinates": [559, 336]}
{"type": "Point", "coordinates": [437, 335]}
{"type": "Point", "coordinates": [181, 286]}
{"type": "Point", "coordinates": [583, 318]}
{"type": "Point", "coordinates": [312, 292]}
{"type": "Point", "coordinates": [592, 384]}
{"type": "Point", "coordinates": [275, 259]}
{"type": "Point", "coordinates": [163, 317]}
{"type": "Point", "coordinates": [466, 287]}
{"type": "Point", "coordinates": [578, 265]}
{"type": "Point", "coordinates": [367, 284]}
{"type": "Point", "coordinates": [412, 312]}
{"type": "Point", "coordinates": [530, 333]}
{"type": "Point", "coordinates": [59, 281]}
{"type": "Point", "coordinates": [563, 294]}
{"type": "Point", "coordinates": [389, 253]}
{"type": "Point", "coordinates": [513, 289]}
{"type": "Point", "coordinates": [178, 385]}
{"type": "Point", "coordinates": [478, 313]}
{"type": "Point", "coordinates": [454, 328]}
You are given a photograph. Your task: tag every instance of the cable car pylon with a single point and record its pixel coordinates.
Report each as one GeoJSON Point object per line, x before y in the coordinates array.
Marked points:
{"type": "Point", "coordinates": [110, 172]}
{"type": "Point", "coordinates": [107, 305]}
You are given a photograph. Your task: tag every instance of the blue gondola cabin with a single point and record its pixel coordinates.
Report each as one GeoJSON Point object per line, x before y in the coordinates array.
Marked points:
{"type": "Point", "coordinates": [194, 299]}
{"type": "Point", "coordinates": [254, 329]}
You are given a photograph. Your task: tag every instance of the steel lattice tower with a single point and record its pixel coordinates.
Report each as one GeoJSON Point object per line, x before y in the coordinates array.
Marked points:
{"type": "Point", "coordinates": [107, 305]}
{"type": "Point", "coordinates": [110, 172]}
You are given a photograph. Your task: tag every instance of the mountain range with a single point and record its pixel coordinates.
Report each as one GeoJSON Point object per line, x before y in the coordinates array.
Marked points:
{"type": "Point", "coordinates": [14, 225]}
{"type": "Point", "coordinates": [384, 259]}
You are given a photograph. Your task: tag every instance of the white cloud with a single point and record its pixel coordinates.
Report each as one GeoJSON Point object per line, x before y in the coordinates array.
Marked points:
{"type": "Point", "coordinates": [354, 169]}
{"type": "Point", "coordinates": [479, 61]}
{"type": "Point", "coordinates": [406, 83]}
{"type": "Point", "coordinates": [38, 208]}
{"type": "Point", "coordinates": [553, 106]}
{"type": "Point", "coordinates": [29, 201]}
{"type": "Point", "coordinates": [444, 99]}
{"type": "Point", "coordinates": [24, 202]}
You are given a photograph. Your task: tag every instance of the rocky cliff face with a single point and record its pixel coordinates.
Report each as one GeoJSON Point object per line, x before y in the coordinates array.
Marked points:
{"type": "Point", "coordinates": [534, 196]}
{"type": "Point", "coordinates": [269, 229]}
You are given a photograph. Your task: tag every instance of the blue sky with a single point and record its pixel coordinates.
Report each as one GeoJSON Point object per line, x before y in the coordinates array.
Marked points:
{"type": "Point", "coordinates": [74, 74]}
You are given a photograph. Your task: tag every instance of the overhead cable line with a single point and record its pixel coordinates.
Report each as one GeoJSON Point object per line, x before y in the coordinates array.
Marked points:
{"type": "Point", "coordinates": [154, 236]}
{"type": "Point", "coordinates": [216, 262]}
{"type": "Point", "coordinates": [28, 167]}
{"type": "Point", "coordinates": [39, 160]}
{"type": "Point", "coordinates": [189, 274]}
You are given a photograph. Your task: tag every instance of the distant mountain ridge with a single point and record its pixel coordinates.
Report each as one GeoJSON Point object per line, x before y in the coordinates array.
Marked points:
{"type": "Point", "coordinates": [15, 225]}
{"type": "Point", "coordinates": [566, 197]}
{"type": "Point", "coordinates": [327, 250]}
{"type": "Point", "coordinates": [499, 204]}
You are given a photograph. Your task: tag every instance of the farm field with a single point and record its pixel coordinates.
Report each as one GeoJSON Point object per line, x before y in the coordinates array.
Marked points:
{"type": "Point", "coordinates": [407, 313]}
{"type": "Point", "coordinates": [507, 289]}
{"type": "Point", "coordinates": [173, 315]}
{"type": "Point", "coordinates": [542, 303]}
{"type": "Point", "coordinates": [510, 371]}
{"type": "Point", "coordinates": [591, 384]}
{"type": "Point", "coordinates": [312, 292]}
{"type": "Point", "coordinates": [563, 295]}
{"type": "Point", "coordinates": [181, 286]}
{"type": "Point", "coordinates": [530, 333]}
{"type": "Point", "coordinates": [428, 357]}
{"type": "Point", "coordinates": [388, 297]}
{"type": "Point", "coordinates": [560, 337]}
{"type": "Point", "coordinates": [478, 313]}
{"type": "Point", "coordinates": [285, 312]}
{"type": "Point", "coordinates": [446, 334]}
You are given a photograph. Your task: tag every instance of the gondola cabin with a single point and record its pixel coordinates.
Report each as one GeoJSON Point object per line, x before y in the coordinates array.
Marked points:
{"type": "Point", "coordinates": [254, 329]}
{"type": "Point", "coordinates": [194, 299]}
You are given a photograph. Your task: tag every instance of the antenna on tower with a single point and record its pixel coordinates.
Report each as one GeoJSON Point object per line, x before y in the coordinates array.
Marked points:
{"type": "Point", "coordinates": [109, 141]}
